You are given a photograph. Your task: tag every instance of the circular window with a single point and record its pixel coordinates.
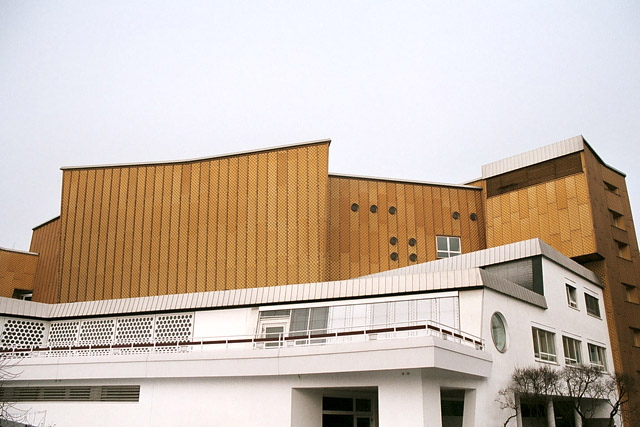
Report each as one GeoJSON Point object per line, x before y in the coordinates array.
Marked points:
{"type": "Point", "coordinates": [354, 207]}
{"type": "Point", "coordinates": [392, 210]}
{"type": "Point", "coordinates": [499, 332]}
{"type": "Point", "coordinates": [456, 215]}
{"type": "Point", "coordinates": [394, 256]}
{"type": "Point", "coordinates": [412, 242]}
{"type": "Point", "coordinates": [473, 217]}
{"type": "Point", "coordinates": [413, 257]}
{"type": "Point", "coordinates": [373, 209]}
{"type": "Point", "coordinates": [393, 241]}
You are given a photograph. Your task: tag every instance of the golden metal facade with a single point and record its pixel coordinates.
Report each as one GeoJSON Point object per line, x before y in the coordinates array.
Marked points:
{"type": "Point", "coordinates": [17, 270]}
{"type": "Point", "coordinates": [45, 241]}
{"type": "Point", "coordinates": [359, 240]}
{"type": "Point", "coordinates": [241, 221]}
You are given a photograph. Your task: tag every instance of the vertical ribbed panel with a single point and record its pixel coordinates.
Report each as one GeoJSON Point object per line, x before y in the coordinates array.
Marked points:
{"type": "Point", "coordinates": [556, 211]}
{"type": "Point", "coordinates": [255, 219]}
{"type": "Point", "coordinates": [45, 241]}
{"type": "Point", "coordinates": [17, 271]}
{"type": "Point", "coordinates": [359, 242]}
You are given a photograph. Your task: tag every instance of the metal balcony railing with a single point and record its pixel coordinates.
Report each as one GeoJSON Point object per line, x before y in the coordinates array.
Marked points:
{"type": "Point", "coordinates": [317, 337]}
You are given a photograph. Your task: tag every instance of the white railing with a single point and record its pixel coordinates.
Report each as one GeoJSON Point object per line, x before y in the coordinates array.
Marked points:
{"type": "Point", "coordinates": [325, 336]}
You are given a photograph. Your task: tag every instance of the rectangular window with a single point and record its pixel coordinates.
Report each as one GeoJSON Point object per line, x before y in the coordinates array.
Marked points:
{"type": "Point", "coordinates": [631, 293]}
{"type": "Point", "coordinates": [623, 250]}
{"type": "Point", "coordinates": [544, 346]}
{"type": "Point", "coordinates": [636, 336]}
{"type": "Point", "coordinates": [598, 356]}
{"type": "Point", "coordinates": [447, 246]}
{"type": "Point", "coordinates": [572, 296]}
{"type": "Point", "coordinates": [572, 352]}
{"type": "Point", "coordinates": [593, 306]}
{"type": "Point", "coordinates": [617, 219]}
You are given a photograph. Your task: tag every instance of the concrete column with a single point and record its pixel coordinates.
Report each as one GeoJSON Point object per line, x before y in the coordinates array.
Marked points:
{"type": "Point", "coordinates": [577, 418]}
{"type": "Point", "coordinates": [518, 411]}
{"type": "Point", "coordinates": [432, 409]}
{"type": "Point", "coordinates": [400, 401]}
{"type": "Point", "coordinates": [551, 415]}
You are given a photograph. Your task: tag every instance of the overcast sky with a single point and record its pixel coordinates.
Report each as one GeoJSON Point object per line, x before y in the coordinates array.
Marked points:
{"type": "Point", "coordinates": [427, 90]}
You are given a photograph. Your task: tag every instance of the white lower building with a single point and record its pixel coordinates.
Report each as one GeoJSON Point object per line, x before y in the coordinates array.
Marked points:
{"type": "Point", "coordinates": [427, 345]}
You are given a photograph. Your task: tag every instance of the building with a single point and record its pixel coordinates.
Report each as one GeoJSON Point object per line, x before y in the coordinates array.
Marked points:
{"type": "Point", "coordinates": [269, 220]}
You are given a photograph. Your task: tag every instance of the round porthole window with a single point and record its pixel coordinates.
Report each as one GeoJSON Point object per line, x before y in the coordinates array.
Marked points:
{"type": "Point", "coordinates": [499, 332]}
{"type": "Point", "coordinates": [354, 207]}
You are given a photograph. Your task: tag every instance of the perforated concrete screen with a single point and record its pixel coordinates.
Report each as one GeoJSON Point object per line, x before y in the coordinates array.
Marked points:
{"type": "Point", "coordinates": [19, 333]}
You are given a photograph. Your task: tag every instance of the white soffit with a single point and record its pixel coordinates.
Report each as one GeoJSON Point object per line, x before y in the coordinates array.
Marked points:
{"type": "Point", "coordinates": [532, 157]}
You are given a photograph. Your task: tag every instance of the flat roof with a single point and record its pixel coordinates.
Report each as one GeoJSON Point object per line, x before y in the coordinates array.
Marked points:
{"type": "Point", "coordinates": [404, 181]}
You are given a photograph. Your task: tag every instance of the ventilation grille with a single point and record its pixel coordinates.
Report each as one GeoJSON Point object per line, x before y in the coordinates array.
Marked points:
{"type": "Point", "coordinates": [63, 334]}
{"type": "Point", "coordinates": [111, 393]}
{"type": "Point", "coordinates": [174, 328]}
{"type": "Point", "coordinates": [18, 333]}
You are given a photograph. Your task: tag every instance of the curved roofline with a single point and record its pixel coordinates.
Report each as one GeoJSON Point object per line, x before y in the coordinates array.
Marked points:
{"type": "Point", "coordinates": [403, 181]}
{"type": "Point", "coordinates": [200, 159]}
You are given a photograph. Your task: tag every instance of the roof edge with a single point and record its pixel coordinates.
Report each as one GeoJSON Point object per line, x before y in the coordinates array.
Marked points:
{"type": "Point", "coordinates": [403, 181]}
{"type": "Point", "coordinates": [200, 159]}
{"type": "Point", "coordinates": [45, 223]}
{"type": "Point", "coordinates": [18, 251]}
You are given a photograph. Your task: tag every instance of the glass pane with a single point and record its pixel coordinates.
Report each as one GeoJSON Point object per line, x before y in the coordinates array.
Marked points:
{"type": "Point", "coordinates": [443, 254]}
{"type": "Point", "coordinates": [447, 313]}
{"type": "Point", "coordinates": [299, 319]}
{"type": "Point", "coordinates": [401, 311]}
{"type": "Point", "coordinates": [338, 317]}
{"type": "Point", "coordinates": [498, 332]}
{"type": "Point", "coordinates": [359, 315]}
{"type": "Point", "coordinates": [363, 422]}
{"type": "Point", "coordinates": [363, 405]}
{"type": "Point", "coordinates": [424, 309]}
{"type": "Point", "coordinates": [380, 314]}
{"type": "Point", "coordinates": [442, 243]}
{"type": "Point", "coordinates": [337, 403]}
{"type": "Point", "coordinates": [454, 244]}
{"type": "Point", "coordinates": [319, 317]}
{"type": "Point", "coordinates": [334, 420]}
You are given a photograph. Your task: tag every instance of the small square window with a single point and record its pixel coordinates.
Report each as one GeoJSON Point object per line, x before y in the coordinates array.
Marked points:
{"type": "Point", "coordinates": [617, 219]}
{"type": "Point", "coordinates": [572, 351]}
{"type": "Point", "coordinates": [623, 250]}
{"type": "Point", "coordinates": [636, 337]}
{"type": "Point", "coordinates": [598, 356]}
{"type": "Point", "coordinates": [447, 246]}
{"type": "Point", "coordinates": [631, 294]}
{"type": "Point", "coordinates": [572, 296]}
{"type": "Point", "coordinates": [544, 345]}
{"type": "Point", "coordinates": [592, 304]}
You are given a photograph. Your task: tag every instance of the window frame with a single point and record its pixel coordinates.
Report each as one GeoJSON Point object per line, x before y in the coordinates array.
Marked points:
{"type": "Point", "coordinates": [449, 252]}
{"type": "Point", "coordinates": [572, 296]}
{"type": "Point", "coordinates": [601, 353]}
{"type": "Point", "coordinates": [590, 311]}
{"type": "Point", "coordinates": [549, 341]}
{"type": "Point", "coordinates": [577, 349]}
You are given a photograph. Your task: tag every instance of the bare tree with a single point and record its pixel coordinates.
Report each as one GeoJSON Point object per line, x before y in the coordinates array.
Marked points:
{"type": "Point", "coordinates": [581, 384]}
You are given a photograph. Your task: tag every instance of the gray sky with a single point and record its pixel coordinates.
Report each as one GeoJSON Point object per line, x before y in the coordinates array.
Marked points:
{"type": "Point", "coordinates": [427, 90]}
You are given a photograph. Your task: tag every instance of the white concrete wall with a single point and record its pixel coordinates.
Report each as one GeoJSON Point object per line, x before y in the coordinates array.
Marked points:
{"type": "Point", "coordinates": [225, 323]}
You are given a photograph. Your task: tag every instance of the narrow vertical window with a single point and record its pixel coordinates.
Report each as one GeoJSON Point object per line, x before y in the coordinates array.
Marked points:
{"type": "Point", "coordinates": [544, 346]}
{"type": "Point", "coordinates": [572, 296]}
{"type": "Point", "coordinates": [592, 304]}
{"type": "Point", "coordinates": [572, 351]}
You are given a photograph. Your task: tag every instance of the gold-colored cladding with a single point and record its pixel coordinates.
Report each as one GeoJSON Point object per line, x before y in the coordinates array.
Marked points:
{"type": "Point", "coordinates": [256, 219]}
{"type": "Point", "coordinates": [359, 241]}
{"type": "Point", "coordinates": [557, 211]}
{"type": "Point", "coordinates": [45, 241]}
{"type": "Point", "coordinates": [17, 271]}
